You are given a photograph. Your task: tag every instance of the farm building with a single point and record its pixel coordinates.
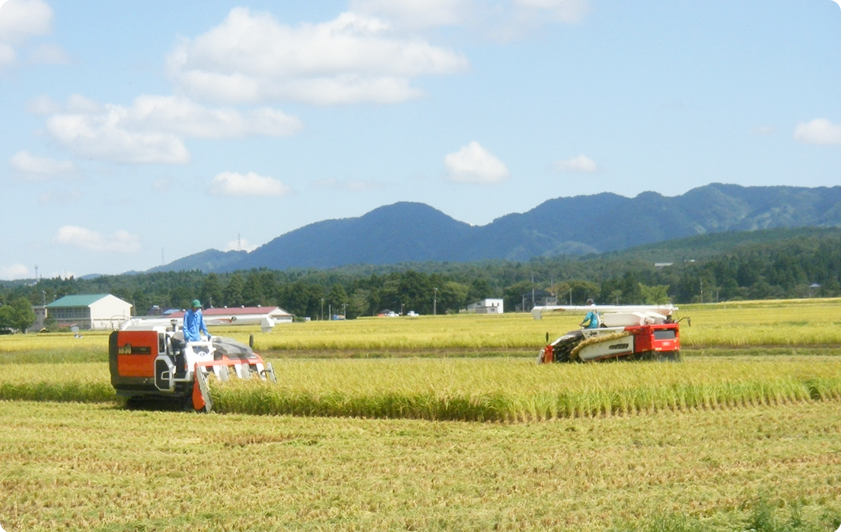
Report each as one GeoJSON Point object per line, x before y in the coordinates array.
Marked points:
{"type": "Point", "coordinates": [486, 306]}
{"type": "Point", "coordinates": [89, 311]}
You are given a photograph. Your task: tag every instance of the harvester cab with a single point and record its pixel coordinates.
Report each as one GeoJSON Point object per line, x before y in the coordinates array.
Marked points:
{"type": "Point", "coordinates": [154, 362]}
{"type": "Point", "coordinates": [640, 332]}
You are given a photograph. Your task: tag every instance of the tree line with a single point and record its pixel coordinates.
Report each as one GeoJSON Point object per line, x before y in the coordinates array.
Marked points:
{"type": "Point", "coordinates": [792, 268]}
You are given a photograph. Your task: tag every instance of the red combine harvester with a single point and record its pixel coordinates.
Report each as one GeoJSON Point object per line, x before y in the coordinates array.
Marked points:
{"type": "Point", "coordinates": [149, 361]}
{"type": "Point", "coordinates": [643, 332]}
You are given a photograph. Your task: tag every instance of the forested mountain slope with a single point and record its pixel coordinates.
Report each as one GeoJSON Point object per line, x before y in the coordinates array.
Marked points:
{"type": "Point", "coordinates": [770, 263]}
{"type": "Point", "coordinates": [414, 232]}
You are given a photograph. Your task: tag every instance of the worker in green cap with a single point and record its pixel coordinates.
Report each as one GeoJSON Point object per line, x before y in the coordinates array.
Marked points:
{"type": "Point", "coordinates": [194, 323]}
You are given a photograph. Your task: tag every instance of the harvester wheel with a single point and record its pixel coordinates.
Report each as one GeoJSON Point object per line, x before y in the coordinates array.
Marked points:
{"type": "Point", "coordinates": [134, 402]}
{"type": "Point", "coordinates": [671, 356]}
{"type": "Point", "coordinates": [664, 356]}
{"type": "Point", "coordinates": [202, 381]}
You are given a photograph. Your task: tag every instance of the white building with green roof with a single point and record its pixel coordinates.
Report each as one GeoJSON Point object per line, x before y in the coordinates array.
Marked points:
{"type": "Point", "coordinates": [89, 311]}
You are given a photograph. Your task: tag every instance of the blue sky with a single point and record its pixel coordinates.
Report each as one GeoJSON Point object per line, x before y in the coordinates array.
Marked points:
{"type": "Point", "coordinates": [136, 131]}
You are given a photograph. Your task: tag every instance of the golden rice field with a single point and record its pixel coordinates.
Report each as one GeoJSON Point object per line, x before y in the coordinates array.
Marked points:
{"type": "Point", "coordinates": [518, 390]}
{"type": "Point", "coordinates": [744, 441]}
{"type": "Point", "coordinates": [73, 466]}
{"type": "Point", "coordinates": [789, 323]}
{"type": "Point", "coordinates": [475, 389]}
{"type": "Point", "coordinates": [497, 389]}
{"type": "Point", "coordinates": [809, 322]}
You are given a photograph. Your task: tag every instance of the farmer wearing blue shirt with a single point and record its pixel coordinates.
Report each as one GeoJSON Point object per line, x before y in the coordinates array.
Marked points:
{"type": "Point", "coordinates": [591, 320]}
{"type": "Point", "coordinates": [194, 323]}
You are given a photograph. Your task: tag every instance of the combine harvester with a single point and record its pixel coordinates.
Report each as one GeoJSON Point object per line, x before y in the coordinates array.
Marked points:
{"type": "Point", "coordinates": [150, 360]}
{"type": "Point", "coordinates": [643, 332]}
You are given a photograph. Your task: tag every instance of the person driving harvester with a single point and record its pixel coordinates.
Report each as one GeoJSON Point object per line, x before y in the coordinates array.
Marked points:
{"type": "Point", "coordinates": [194, 323]}
{"type": "Point", "coordinates": [591, 320]}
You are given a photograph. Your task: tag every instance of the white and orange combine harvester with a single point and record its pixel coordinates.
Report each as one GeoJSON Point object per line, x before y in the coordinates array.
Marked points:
{"type": "Point", "coordinates": [642, 332]}
{"type": "Point", "coordinates": [149, 360]}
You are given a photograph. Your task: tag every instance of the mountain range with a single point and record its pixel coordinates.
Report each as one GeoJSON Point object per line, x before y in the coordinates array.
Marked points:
{"type": "Point", "coordinates": [415, 232]}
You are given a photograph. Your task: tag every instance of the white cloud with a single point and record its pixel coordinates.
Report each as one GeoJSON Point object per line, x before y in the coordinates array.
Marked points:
{"type": "Point", "coordinates": [20, 21]}
{"type": "Point", "coordinates": [151, 130]}
{"type": "Point", "coordinates": [416, 13]}
{"type": "Point", "coordinates": [575, 164]}
{"type": "Point", "coordinates": [76, 103]}
{"type": "Point", "coordinates": [241, 244]}
{"type": "Point", "coordinates": [250, 184]}
{"type": "Point", "coordinates": [505, 19]}
{"type": "Point", "coordinates": [42, 105]}
{"type": "Point", "coordinates": [32, 168]}
{"type": "Point", "coordinates": [351, 59]}
{"type": "Point", "coordinates": [59, 196]}
{"type": "Point", "coordinates": [348, 186]}
{"type": "Point", "coordinates": [162, 184]}
{"type": "Point", "coordinates": [818, 131]}
{"type": "Point", "coordinates": [183, 116]}
{"type": "Point", "coordinates": [15, 271]}
{"type": "Point", "coordinates": [104, 137]}
{"type": "Point", "coordinates": [566, 11]}
{"type": "Point", "coordinates": [79, 237]}
{"type": "Point", "coordinates": [475, 164]}
{"type": "Point", "coordinates": [7, 55]}
{"type": "Point", "coordinates": [49, 54]}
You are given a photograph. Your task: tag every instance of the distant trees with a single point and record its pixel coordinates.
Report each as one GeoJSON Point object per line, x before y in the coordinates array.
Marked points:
{"type": "Point", "coordinates": [453, 296]}
{"type": "Point", "coordinates": [801, 266]}
{"type": "Point", "coordinates": [302, 299]}
{"type": "Point", "coordinates": [232, 294]}
{"type": "Point", "coordinates": [513, 294]}
{"type": "Point", "coordinates": [211, 291]}
{"type": "Point", "coordinates": [17, 315]}
{"type": "Point", "coordinates": [337, 299]}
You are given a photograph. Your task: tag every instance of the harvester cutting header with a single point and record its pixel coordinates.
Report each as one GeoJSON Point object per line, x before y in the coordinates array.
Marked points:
{"type": "Point", "coordinates": [644, 332]}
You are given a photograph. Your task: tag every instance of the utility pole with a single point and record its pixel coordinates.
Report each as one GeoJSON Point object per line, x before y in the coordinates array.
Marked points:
{"type": "Point", "coordinates": [435, 293]}
{"type": "Point", "coordinates": [533, 290]}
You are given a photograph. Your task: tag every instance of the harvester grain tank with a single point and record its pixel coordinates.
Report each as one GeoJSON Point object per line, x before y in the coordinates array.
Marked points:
{"type": "Point", "coordinates": [154, 362]}
{"type": "Point", "coordinates": [638, 332]}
